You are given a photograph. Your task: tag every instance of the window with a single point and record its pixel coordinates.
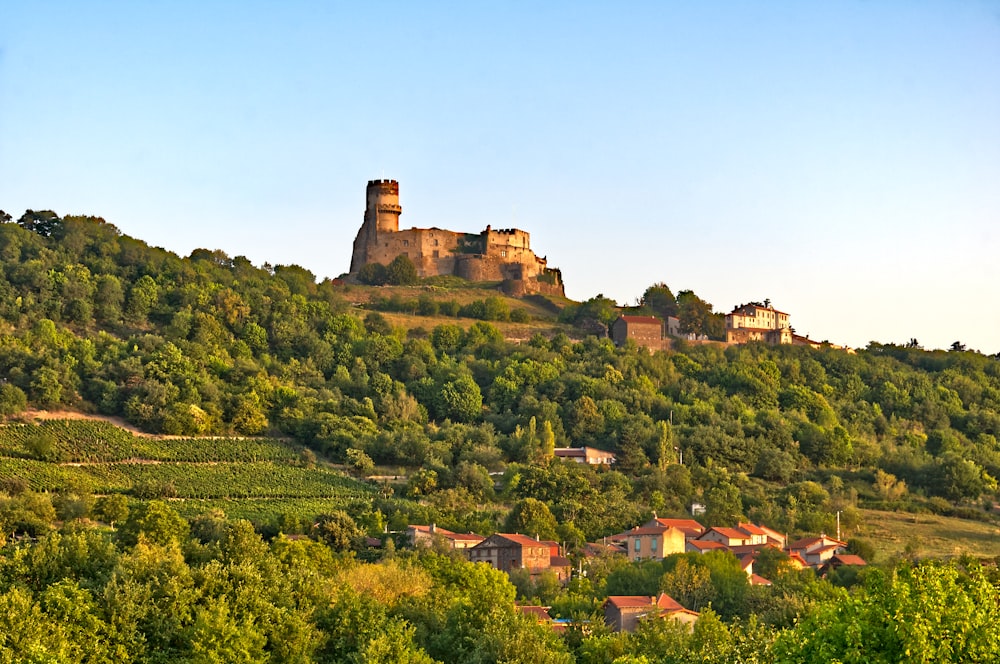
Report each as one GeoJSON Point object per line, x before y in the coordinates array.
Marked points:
{"type": "Point", "coordinates": [652, 545]}
{"type": "Point", "coordinates": [503, 253]}
{"type": "Point", "coordinates": [638, 544]}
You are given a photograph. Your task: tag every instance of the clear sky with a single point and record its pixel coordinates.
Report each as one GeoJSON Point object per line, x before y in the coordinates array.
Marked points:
{"type": "Point", "coordinates": [839, 158]}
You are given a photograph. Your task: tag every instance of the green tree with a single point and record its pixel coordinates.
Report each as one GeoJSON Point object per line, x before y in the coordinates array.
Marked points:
{"type": "Point", "coordinates": [531, 517]}
{"type": "Point", "coordinates": [338, 530]}
{"type": "Point", "coordinates": [401, 271]}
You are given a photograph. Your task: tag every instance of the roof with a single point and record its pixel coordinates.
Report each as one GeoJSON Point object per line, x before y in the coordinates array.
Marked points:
{"type": "Point", "coordinates": [731, 533]}
{"type": "Point", "coordinates": [687, 525]}
{"type": "Point", "coordinates": [668, 603]}
{"type": "Point", "coordinates": [743, 307]}
{"type": "Point", "coordinates": [523, 540]}
{"type": "Point", "coordinates": [559, 561]}
{"type": "Point", "coordinates": [630, 601]}
{"type": "Point", "coordinates": [751, 529]}
{"type": "Point", "coordinates": [706, 545]}
{"type": "Point", "coordinates": [540, 612]}
{"type": "Point", "coordinates": [758, 580]}
{"type": "Point", "coordinates": [848, 559]}
{"type": "Point", "coordinates": [647, 530]}
{"type": "Point", "coordinates": [591, 549]}
{"type": "Point", "coordinates": [641, 320]}
{"type": "Point", "coordinates": [447, 534]}
{"type": "Point", "coordinates": [772, 533]}
{"type": "Point", "coordinates": [808, 543]}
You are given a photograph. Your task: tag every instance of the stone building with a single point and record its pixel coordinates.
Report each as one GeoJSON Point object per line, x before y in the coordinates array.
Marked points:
{"type": "Point", "coordinates": [507, 551]}
{"type": "Point", "coordinates": [758, 322]}
{"type": "Point", "coordinates": [646, 331]}
{"type": "Point", "coordinates": [492, 255]}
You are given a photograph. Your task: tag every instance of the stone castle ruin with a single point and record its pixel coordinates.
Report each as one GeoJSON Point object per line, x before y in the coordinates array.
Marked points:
{"type": "Point", "coordinates": [492, 255]}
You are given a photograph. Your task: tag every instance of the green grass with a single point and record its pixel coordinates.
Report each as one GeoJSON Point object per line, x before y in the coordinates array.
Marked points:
{"type": "Point", "coordinates": [929, 535]}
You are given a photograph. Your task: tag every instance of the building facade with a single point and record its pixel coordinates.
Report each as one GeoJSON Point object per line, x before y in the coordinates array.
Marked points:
{"type": "Point", "coordinates": [757, 322]}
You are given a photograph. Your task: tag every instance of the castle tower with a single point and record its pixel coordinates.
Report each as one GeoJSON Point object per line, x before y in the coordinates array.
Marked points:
{"type": "Point", "coordinates": [382, 206]}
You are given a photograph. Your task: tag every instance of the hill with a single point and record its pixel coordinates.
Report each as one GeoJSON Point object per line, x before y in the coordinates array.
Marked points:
{"type": "Point", "coordinates": [208, 345]}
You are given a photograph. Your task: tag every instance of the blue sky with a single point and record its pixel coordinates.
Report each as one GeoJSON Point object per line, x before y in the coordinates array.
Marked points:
{"type": "Point", "coordinates": [841, 159]}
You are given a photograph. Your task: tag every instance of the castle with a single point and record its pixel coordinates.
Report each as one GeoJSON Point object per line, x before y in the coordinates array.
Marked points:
{"type": "Point", "coordinates": [492, 255]}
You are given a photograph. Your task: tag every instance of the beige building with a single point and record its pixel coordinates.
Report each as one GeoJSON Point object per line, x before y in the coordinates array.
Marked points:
{"type": "Point", "coordinates": [591, 455]}
{"type": "Point", "coordinates": [654, 542]}
{"type": "Point", "coordinates": [492, 255]}
{"type": "Point", "coordinates": [757, 322]}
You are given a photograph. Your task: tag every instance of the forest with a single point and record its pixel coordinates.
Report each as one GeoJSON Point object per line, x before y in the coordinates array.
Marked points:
{"type": "Point", "coordinates": [272, 380]}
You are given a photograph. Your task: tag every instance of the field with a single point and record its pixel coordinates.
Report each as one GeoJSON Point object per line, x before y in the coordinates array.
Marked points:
{"type": "Point", "coordinates": [929, 535]}
{"type": "Point", "coordinates": [257, 477]}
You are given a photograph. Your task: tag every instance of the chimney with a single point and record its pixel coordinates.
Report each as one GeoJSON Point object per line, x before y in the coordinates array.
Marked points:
{"type": "Point", "coordinates": [433, 528]}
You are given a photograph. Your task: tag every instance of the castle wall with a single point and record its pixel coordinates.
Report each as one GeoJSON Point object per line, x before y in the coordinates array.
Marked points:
{"type": "Point", "coordinates": [493, 255]}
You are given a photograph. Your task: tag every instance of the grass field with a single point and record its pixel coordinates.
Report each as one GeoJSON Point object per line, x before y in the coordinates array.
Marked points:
{"type": "Point", "coordinates": [929, 535]}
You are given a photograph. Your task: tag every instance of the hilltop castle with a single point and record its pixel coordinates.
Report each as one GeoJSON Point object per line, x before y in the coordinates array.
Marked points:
{"type": "Point", "coordinates": [492, 255]}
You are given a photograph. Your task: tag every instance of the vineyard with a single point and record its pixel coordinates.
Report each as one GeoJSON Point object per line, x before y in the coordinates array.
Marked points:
{"type": "Point", "coordinates": [100, 458]}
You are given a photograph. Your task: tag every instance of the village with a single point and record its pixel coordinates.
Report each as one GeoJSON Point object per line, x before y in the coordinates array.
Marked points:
{"type": "Point", "coordinates": [656, 539]}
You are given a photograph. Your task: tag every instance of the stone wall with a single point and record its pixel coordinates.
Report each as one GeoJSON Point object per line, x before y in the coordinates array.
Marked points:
{"type": "Point", "coordinates": [492, 255]}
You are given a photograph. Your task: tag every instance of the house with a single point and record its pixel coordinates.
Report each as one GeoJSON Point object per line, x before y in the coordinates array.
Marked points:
{"type": "Point", "coordinates": [623, 612]}
{"type": "Point", "coordinates": [817, 550]}
{"type": "Point", "coordinates": [841, 560]}
{"type": "Point", "coordinates": [594, 549]}
{"type": "Point", "coordinates": [506, 552]}
{"type": "Point", "coordinates": [591, 455]}
{"type": "Point", "coordinates": [646, 331]}
{"type": "Point", "coordinates": [729, 537]}
{"type": "Point", "coordinates": [757, 534]}
{"type": "Point", "coordinates": [689, 527]}
{"type": "Point", "coordinates": [653, 542]}
{"type": "Point", "coordinates": [758, 322]}
{"type": "Point", "coordinates": [704, 546]}
{"type": "Point", "coordinates": [774, 537]}
{"type": "Point", "coordinates": [426, 535]}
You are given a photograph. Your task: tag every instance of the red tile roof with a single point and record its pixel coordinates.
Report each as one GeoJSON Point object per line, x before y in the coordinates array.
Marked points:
{"type": "Point", "coordinates": [707, 545]}
{"type": "Point", "coordinates": [647, 530]}
{"type": "Point", "coordinates": [758, 580]}
{"type": "Point", "coordinates": [848, 559]}
{"type": "Point", "coordinates": [751, 529]}
{"type": "Point", "coordinates": [687, 525]}
{"type": "Point", "coordinates": [630, 601]}
{"type": "Point", "coordinates": [730, 533]}
{"type": "Point", "coordinates": [668, 603]}
{"type": "Point", "coordinates": [523, 540]}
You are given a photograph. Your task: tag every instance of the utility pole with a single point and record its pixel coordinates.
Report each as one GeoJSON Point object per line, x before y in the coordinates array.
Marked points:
{"type": "Point", "coordinates": [838, 525]}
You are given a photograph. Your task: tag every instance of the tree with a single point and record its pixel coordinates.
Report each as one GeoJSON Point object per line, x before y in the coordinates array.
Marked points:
{"type": "Point", "coordinates": [926, 613]}
{"type": "Point", "coordinates": [401, 271]}
{"type": "Point", "coordinates": [660, 300]}
{"type": "Point", "coordinates": [531, 517]}
{"type": "Point", "coordinates": [13, 400]}
{"type": "Point", "coordinates": [373, 274]}
{"type": "Point", "coordinates": [689, 584]}
{"type": "Point", "coordinates": [338, 530]}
